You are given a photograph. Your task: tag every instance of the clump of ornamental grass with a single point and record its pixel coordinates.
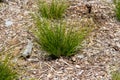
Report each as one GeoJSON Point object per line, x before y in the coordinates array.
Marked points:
{"type": "Point", "coordinates": [117, 10]}
{"type": "Point", "coordinates": [6, 71]}
{"type": "Point", "coordinates": [58, 40]}
{"type": "Point", "coordinates": [52, 10]}
{"type": "Point", "coordinates": [116, 76]}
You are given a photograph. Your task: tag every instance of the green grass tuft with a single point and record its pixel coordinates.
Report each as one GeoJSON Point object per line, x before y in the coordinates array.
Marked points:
{"type": "Point", "coordinates": [117, 10]}
{"type": "Point", "coordinates": [57, 39]}
{"type": "Point", "coordinates": [6, 71]}
{"type": "Point", "coordinates": [116, 76]}
{"type": "Point", "coordinates": [53, 10]}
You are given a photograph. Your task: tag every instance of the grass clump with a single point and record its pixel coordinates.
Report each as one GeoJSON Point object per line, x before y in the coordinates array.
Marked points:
{"type": "Point", "coordinates": [53, 10]}
{"type": "Point", "coordinates": [6, 71]}
{"type": "Point", "coordinates": [117, 9]}
{"type": "Point", "coordinates": [116, 76]}
{"type": "Point", "coordinates": [57, 39]}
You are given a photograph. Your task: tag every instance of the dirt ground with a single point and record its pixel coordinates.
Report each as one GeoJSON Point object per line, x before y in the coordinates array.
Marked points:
{"type": "Point", "coordinates": [99, 57]}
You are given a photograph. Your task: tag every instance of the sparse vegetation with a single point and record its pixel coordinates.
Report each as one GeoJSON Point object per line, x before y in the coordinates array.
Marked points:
{"type": "Point", "coordinates": [116, 76]}
{"type": "Point", "coordinates": [57, 39]}
{"type": "Point", "coordinates": [53, 10]}
{"type": "Point", "coordinates": [117, 9]}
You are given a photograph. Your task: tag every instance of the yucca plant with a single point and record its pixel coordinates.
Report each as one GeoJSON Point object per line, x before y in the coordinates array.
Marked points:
{"type": "Point", "coordinates": [53, 10]}
{"type": "Point", "coordinates": [117, 9]}
{"type": "Point", "coordinates": [116, 76]}
{"type": "Point", "coordinates": [57, 39]}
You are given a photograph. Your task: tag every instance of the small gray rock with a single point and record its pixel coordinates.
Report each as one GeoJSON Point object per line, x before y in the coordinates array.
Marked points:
{"type": "Point", "coordinates": [28, 49]}
{"type": "Point", "coordinates": [8, 23]}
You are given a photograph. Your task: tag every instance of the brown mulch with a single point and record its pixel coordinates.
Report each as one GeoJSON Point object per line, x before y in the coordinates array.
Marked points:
{"type": "Point", "coordinates": [99, 57]}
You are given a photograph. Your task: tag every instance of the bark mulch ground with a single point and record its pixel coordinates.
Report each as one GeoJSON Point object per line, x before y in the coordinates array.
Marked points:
{"type": "Point", "coordinates": [99, 57]}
